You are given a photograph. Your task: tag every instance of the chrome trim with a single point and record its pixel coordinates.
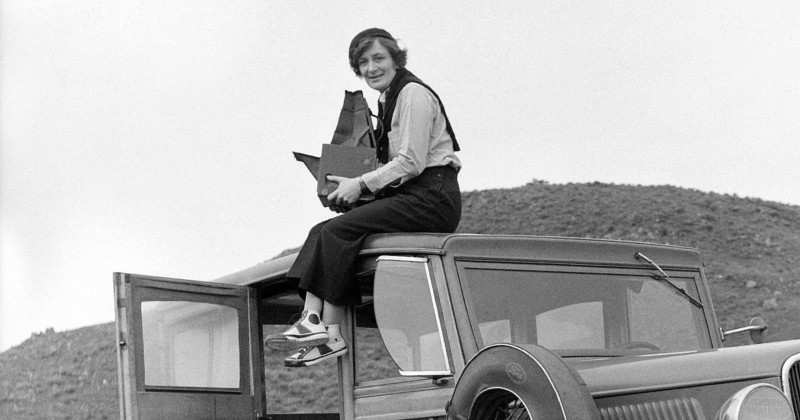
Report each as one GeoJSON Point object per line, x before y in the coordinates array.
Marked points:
{"type": "Point", "coordinates": [380, 251]}
{"type": "Point", "coordinates": [683, 408]}
{"type": "Point", "coordinates": [676, 385]}
{"type": "Point", "coordinates": [756, 328]}
{"type": "Point", "coordinates": [744, 329]}
{"type": "Point", "coordinates": [438, 318]}
{"type": "Point", "coordinates": [431, 373]}
{"type": "Point", "coordinates": [787, 366]}
{"type": "Point", "coordinates": [732, 408]}
{"type": "Point", "coordinates": [402, 258]}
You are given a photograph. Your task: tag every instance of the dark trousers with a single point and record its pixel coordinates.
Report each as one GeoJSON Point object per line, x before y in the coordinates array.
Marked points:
{"type": "Point", "coordinates": [325, 266]}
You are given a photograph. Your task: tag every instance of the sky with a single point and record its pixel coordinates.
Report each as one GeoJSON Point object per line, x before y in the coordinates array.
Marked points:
{"type": "Point", "coordinates": [156, 137]}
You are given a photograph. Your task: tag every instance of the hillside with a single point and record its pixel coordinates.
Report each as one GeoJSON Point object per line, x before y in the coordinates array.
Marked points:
{"type": "Point", "coordinates": [70, 374]}
{"type": "Point", "coordinates": [750, 247]}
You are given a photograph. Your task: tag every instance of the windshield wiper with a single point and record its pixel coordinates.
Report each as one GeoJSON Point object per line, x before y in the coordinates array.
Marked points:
{"type": "Point", "coordinates": [681, 290]}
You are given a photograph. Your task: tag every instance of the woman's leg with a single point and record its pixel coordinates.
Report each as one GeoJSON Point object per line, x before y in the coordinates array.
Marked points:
{"type": "Point", "coordinates": [325, 265]}
{"type": "Point", "coordinates": [308, 331]}
{"type": "Point", "coordinates": [335, 346]}
{"type": "Point", "coordinates": [313, 303]}
{"type": "Point", "coordinates": [332, 314]}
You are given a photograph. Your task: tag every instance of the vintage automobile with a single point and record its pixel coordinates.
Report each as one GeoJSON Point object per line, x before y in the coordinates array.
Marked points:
{"type": "Point", "coordinates": [458, 326]}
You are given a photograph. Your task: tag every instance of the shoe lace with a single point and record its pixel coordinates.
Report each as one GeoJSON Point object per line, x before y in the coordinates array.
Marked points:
{"type": "Point", "coordinates": [297, 318]}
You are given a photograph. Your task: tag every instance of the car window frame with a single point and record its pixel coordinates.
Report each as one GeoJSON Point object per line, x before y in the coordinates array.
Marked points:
{"type": "Point", "coordinates": [694, 275]}
{"type": "Point", "coordinates": [407, 391]}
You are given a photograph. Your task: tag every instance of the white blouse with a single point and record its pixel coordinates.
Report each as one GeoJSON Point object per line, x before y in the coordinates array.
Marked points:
{"type": "Point", "coordinates": [418, 139]}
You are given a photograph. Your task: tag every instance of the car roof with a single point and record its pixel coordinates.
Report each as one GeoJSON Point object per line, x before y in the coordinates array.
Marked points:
{"type": "Point", "coordinates": [490, 246]}
{"type": "Point", "coordinates": [395, 243]}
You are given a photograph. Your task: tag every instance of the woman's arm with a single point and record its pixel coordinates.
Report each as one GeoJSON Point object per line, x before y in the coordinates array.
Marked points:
{"type": "Point", "coordinates": [409, 146]}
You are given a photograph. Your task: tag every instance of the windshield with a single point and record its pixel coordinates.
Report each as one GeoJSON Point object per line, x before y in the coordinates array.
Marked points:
{"type": "Point", "coordinates": [590, 312]}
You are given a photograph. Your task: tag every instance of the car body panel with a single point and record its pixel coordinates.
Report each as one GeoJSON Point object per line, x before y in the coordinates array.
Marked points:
{"type": "Point", "coordinates": [680, 385]}
{"type": "Point", "coordinates": [635, 374]}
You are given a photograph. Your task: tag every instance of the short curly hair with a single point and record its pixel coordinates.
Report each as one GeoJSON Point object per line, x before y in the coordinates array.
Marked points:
{"type": "Point", "coordinates": [399, 55]}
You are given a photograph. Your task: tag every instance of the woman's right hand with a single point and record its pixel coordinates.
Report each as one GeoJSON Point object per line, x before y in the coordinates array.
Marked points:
{"type": "Point", "coordinates": [339, 208]}
{"type": "Point", "coordinates": [346, 193]}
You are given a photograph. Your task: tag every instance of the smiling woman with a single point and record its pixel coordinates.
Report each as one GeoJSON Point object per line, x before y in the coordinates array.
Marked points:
{"type": "Point", "coordinates": [416, 187]}
{"type": "Point", "coordinates": [376, 57]}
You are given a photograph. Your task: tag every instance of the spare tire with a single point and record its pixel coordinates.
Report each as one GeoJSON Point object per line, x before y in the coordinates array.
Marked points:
{"type": "Point", "coordinates": [505, 378]}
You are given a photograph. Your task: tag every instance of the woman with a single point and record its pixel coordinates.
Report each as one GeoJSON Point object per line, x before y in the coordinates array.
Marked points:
{"type": "Point", "coordinates": [416, 185]}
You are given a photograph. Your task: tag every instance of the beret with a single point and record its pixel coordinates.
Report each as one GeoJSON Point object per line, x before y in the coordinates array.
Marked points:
{"type": "Point", "coordinates": [367, 33]}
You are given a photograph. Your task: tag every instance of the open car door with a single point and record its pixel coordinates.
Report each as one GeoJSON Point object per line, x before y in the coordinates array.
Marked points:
{"type": "Point", "coordinates": [187, 349]}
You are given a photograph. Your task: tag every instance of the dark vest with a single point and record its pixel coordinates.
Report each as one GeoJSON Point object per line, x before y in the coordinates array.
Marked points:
{"type": "Point", "coordinates": [385, 112]}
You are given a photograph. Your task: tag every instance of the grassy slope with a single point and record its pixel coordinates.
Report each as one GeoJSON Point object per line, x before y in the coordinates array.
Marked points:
{"type": "Point", "coordinates": [73, 373]}
{"type": "Point", "coordinates": [741, 239]}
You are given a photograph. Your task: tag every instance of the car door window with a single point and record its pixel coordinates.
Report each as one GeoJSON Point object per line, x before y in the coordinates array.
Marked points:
{"type": "Point", "coordinates": [190, 344]}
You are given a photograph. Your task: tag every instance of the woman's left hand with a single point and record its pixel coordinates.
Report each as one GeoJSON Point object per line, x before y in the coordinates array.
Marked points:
{"type": "Point", "coordinates": [348, 191]}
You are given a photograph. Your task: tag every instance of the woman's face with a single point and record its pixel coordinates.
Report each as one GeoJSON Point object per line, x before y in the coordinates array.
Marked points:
{"type": "Point", "coordinates": [377, 66]}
